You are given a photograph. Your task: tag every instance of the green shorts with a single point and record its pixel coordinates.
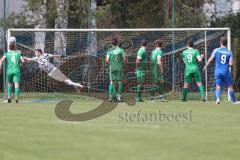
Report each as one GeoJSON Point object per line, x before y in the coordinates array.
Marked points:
{"type": "Point", "coordinates": [116, 76]}
{"type": "Point", "coordinates": [141, 75]}
{"type": "Point", "coordinates": [157, 77]}
{"type": "Point", "coordinates": [196, 76]}
{"type": "Point", "coordinates": [13, 77]}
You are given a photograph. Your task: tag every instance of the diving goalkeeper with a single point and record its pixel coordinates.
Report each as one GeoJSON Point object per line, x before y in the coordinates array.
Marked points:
{"type": "Point", "coordinates": [43, 62]}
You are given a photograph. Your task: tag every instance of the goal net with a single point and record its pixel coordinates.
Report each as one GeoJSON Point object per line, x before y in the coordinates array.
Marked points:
{"type": "Point", "coordinates": [85, 51]}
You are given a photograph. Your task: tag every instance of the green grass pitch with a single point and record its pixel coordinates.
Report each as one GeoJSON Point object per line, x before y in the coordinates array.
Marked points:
{"type": "Point", "coordinates": [31, 131]}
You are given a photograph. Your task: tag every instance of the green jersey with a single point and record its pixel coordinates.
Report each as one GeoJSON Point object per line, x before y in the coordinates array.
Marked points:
{"type": "Point", "coordinates": [142, 54]}
{"type": "Point", "coordinates": [156, 53]}
{"type": "Point", "coordinates": [190, 59]}
{"type": "Point", "coordinates": [116, 55]}
{"type": "Point", "coordinates": [13, 62]}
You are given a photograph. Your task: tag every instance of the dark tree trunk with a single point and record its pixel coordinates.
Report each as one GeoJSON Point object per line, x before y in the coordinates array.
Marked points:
{"type": "Point", "coordinates": [51, 15]}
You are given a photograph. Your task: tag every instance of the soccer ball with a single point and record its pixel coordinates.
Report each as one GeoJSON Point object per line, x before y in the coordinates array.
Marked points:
{"type": "Point", "coordinates": [12, 40]}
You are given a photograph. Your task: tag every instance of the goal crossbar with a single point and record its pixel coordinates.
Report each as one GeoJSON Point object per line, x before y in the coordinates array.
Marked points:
{"type": "Point", "coordinates": [117, 29]}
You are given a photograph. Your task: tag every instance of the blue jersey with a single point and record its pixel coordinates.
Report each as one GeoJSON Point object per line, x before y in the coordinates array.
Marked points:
{"type": "Point", "coordinates": [222, 57]}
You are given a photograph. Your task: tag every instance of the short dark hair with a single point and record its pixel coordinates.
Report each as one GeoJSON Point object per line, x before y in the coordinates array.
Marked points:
{"type": "Point", "coordinates": [224, 41]}
{"type": "Point", "coordinates": [190, 43]}
{"type": "Point", "coordinates": [115, 41]}
{"type": "Point", "coordinates": [158, 43]}
{"type": "Point", "coordinates": [144, 42]}
{"type": "Point", "coordinates": [11, 46]}
{"type": "Point", "coordinates": [39, 50]}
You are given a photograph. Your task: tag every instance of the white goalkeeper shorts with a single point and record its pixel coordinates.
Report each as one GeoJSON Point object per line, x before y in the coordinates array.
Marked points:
{"type": "Point", "coordinates": [57, 75]}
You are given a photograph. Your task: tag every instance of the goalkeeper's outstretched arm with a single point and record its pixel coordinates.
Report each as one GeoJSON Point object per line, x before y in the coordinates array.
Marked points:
{"type": "Point", "coordinates": [28, 59]}
{"type": "Point", "coordinates": [55, 55]}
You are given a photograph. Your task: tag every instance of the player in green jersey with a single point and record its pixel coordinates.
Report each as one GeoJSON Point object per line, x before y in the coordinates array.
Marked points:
{"type": "Point", "coordinates": [157, 72]}
{"type": "Point", "coordinates": [191, 57]}
{"type": "Point", "coordinates": [141, 69]}
{"type": "Point", "coordinates": [116, 58]}
{"type": "Point", "coordinates": [13, 58]}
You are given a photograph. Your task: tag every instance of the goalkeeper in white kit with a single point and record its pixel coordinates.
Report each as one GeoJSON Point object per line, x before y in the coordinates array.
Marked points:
{"type": "Point", "coordinates": [43, 62]}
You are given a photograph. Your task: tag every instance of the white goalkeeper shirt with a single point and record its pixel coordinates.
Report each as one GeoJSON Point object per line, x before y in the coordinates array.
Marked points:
{"type": "Point", "coordinates": [43, 62]}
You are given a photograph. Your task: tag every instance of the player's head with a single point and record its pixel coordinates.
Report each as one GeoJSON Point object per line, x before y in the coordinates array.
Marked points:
{"type": "Point", "coordinates": [11, 47]}
{"type": "Point", "coordinates": [12, 40]}
{"type": "Point", "coordinates": [144, 42]}
{"type": "Point", "coordinates": [223, 41]}
{"type": "Point", "coordinates": [38, 52]}
{"type": "Point", "coordinates": [115, 41]}
{"type": "Point", "coordinates": [190, 43]}
{"type": "Point", "coordinates": [158, 43]}
{"type": "Point", "coordinates": [12, 43]}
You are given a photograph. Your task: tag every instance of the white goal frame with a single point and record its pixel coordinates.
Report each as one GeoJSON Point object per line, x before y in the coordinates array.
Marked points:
{"type": "Point", "coordinates": [228, 30]}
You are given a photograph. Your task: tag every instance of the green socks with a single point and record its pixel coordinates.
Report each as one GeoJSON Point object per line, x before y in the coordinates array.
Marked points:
{"type": "Point", "coordinates": [9, 91]}
{"type": "Point", "coordinates": [201, 90]}
{"type": "Point", "coordinates": [139, 91]}
{"type": "Point", "coordinates": [161, 89]}
{"type": "Point", "coordinates": [184, 94]}
{"type": "Point", "coordinates": [17, 92]}
{"type": "Point", "coordinates": [112, 91]}
{"type": "Point", "coordinates": [153, 90]}
{"type": "Point", "coordinates": [120, 88]}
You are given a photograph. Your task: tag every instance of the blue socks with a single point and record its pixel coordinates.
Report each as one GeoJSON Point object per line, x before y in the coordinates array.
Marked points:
{"type": "Point", "coordinates": [232, 95]}
{"type": "Point", "coordinates": [231, 92]}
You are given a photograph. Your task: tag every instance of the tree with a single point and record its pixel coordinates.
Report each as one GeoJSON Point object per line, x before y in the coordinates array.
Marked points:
{"type": "Point", "coordinates": [50, 16]}
{"type": "Point", "coordinates": [190, 13]}
{"type": "Point", "coordinates": [231, 20]}
{"type": "Point", "coordinates": [154, 14]}
{"type": "Point", "coordinates": [131, 14]}
{"type": "Point", "coordinates": [77, 13]}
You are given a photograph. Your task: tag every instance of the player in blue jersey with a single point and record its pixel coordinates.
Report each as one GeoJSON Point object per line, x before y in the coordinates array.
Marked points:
{"type": "Point", "coordinates": [223, 62]}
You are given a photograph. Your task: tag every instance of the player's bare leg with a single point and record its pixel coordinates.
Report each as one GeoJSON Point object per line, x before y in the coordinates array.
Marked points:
{"type": "Point", "coordinates": [17, 92]}
{"type": "Point", "coordinates": [71, 83]}
{"type": "Point", "coordinates": [59, 76]}
{"type": "Point", "coordinates": [201, 90]}
{"type": "Point", "coordinates": [77, 86]}
{"type": "Point", "coordinates": [185, 92]}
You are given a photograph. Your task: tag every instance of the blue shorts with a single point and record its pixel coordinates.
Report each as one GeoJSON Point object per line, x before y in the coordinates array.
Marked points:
{"type": "Point", "coordinates": [223, 79]}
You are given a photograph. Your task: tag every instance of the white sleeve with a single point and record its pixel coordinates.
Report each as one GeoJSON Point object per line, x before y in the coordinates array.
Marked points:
{"type": "Point", "coordinates": [34, 58]}
{"type": "Point", "coordinates": [139, 57]}
{"type": "Point", "coordinates": [48, 55]}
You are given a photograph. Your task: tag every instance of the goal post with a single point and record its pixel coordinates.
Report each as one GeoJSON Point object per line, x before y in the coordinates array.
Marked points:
{"type": "Point", "coordinates": [85, 56]}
